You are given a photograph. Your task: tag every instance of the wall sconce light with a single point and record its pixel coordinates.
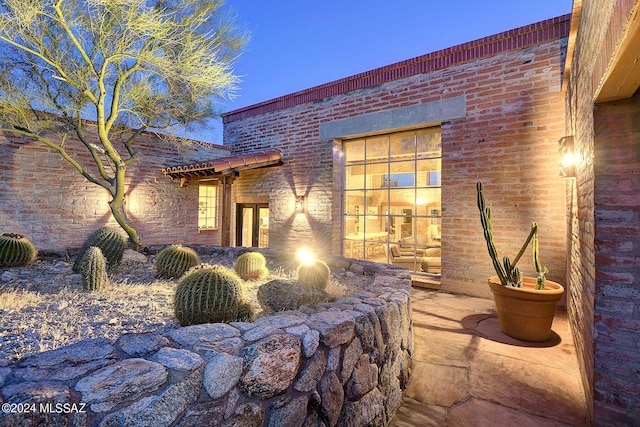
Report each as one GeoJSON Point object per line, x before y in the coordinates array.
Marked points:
{"type": "Point", "coordinates": [567, 157]}
{"type": "Point", "coordinates": [300, 204]}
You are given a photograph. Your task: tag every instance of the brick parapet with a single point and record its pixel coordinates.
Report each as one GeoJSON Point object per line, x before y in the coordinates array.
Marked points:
{"type": "Point", "coordinates": [519, 38]}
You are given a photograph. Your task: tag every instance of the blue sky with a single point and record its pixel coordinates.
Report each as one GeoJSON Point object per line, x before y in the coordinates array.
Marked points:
{"type": "Point", "coordinates": [296, 45]}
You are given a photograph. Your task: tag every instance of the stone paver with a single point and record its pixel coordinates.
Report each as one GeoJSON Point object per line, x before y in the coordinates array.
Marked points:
{"type": "Point", "coordinates": [468, 373]}
{"type": "Point", "coordinates": [439, 384]}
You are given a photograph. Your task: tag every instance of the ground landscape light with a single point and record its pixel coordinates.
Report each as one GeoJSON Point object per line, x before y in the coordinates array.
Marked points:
{"type": "Point", "coordinates": [305, 256]}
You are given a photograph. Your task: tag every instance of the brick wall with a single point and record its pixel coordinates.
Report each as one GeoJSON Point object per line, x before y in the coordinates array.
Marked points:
{"type": "Point", "coordinates": [508, 139]}
{"type": "Point", "coordinates": [604, 218]}
{"type": "Point", "coordinates": [580, 227]}
{"type": "Point", "coordinates": [616, 383]}
{"type": "Point", "coordinates": [47, 200]}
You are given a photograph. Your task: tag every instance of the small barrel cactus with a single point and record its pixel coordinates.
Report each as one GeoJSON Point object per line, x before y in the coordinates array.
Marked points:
{"type": "Point", "coordinates": [16, 250]}
{"type": "Point", "coordinates": [93, 268]}
{"type": "Point", "coordinates": [314, 273]}
{"type": "Point", "coordinates": [208, 294]}
{"type": "Point", "coordinates": [245, 313]}
{"type": "Point", "coordinates": [175, 260]}
{"type": "Point", "coordinates": [251, 266]}
{"type": "Point", "coordinates": [111, 240]}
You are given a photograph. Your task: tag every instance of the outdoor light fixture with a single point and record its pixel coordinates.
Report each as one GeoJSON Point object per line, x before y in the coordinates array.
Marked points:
{"type": "Point", "coordinates": [567, 157]}
{"type": "Point", "coordinates": [300, 208]}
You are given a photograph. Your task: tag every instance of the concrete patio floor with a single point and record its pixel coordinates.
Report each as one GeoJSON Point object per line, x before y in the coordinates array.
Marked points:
{"type": "Point", "coordinates": [468, 373]}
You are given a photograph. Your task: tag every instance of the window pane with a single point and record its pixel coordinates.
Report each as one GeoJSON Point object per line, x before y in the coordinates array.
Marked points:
{"type": "Point", "coordinates": [403, 146]}
{"type": "Point", "coordinates": [353, 152]}
{"type": "Point", "coordinates": [264, 228]}
{"type": "Point", "coordinates": [392, 198]}
{"type": "Point", "coordinates": [428, 202]}
{"type": "Point", "coordinates": [429, 173]}
{"type": "Point", "coordinates": [402, 167]}
{"type": "Point", "coordinates": [377, 201]}
{"type": "Point", "coordinates": [377, 149]}
{"type": "Point", "coordinates": [247, 227]}
{"type": "Point", "coordinates": [376, 173]}
{"type": "Point", "coordinates": [207, 206]}
{"type": "Point", "coordinates": [354, 202]}
{"type": "Point", "coordinates": [429, 145]}
{"type": "Point", "coordinates": [354, 177]}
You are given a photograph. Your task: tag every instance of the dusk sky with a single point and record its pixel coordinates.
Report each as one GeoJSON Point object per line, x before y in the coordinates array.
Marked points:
{"type": "Point", "coordinates": [298, 45]}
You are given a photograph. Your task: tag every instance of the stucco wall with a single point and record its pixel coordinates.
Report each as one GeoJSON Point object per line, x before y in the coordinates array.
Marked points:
{"type": "Point", "coordinates": [507, 138]}
{"type": "Point", "coordinates": [44, 198]}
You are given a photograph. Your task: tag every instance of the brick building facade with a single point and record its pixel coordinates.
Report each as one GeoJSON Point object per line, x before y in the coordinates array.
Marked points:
{"type": "Point", "coordinates": [45, 198]}
{"type": "Point", "coordinates": [497, 105]}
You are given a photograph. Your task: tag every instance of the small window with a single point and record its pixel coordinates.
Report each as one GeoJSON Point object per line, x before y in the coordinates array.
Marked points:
{"type": "Point", "coordinates": [208, 207]}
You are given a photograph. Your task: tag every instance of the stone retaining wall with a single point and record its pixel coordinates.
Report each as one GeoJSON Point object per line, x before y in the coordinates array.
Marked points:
{"type": "Point", "coordinates": [343, 363]}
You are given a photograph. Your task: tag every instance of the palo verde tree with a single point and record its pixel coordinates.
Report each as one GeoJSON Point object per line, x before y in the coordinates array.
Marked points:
{"type": "Point", "coordinates": [125, 65]}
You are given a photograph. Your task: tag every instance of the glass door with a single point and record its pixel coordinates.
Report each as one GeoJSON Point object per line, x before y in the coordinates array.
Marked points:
{"type": "Point", "coordinates": [252, 225]}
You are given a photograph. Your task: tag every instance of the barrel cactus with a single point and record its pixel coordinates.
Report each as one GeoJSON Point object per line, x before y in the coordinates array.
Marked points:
{"type": "Point", "coordinates": [245, 313]}
{"type": "Point", "coordinates": [251, 266]}
{"type": "Point", "coordinates": [16, 250]}
{"type": "Point", "coordinates": [315, 273]}
{"type": "Point", "coordinates": [175, 260]}
{"type": "Point", "coordinates": [93, 268]}
{"type": "Point", "coordinates": [208, 294]}
{"type": "Point", "coordinates": [111, 240]}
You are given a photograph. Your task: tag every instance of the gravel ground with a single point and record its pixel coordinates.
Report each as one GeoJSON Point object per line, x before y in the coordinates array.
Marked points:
{"type": "Point", "coordinates": [43, 306]}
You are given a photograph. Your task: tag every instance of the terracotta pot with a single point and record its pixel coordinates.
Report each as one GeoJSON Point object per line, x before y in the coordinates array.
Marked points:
{"type": "Point", "coordinates": [526, 313]}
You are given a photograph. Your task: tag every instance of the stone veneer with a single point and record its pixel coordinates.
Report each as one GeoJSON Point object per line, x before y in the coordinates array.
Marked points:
{"type": "Point", "coordinates": [341, 363]}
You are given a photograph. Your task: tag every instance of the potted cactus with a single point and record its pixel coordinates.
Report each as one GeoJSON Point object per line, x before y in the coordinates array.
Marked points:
{"type": "Point", "coordinates": [525, 305]}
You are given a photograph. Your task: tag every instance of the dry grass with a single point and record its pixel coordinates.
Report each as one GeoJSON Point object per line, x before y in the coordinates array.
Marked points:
{"type": "Point", "coordinates": [38, 321]}
{"type": "Point", "coordinates": [17, 299]}
{"type": "Point", "coordinates": [38, 317]}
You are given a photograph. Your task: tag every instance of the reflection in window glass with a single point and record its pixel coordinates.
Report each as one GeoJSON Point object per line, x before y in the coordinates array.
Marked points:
{"type": "Point", "coordinates": [403, 145]}
{"type": "Point", "coordinates": [354, 153]}
{"type": "Point", "coordinates": [377, 149]}
{"type": "Point", "coordinates": [429, 145]}
{"type": "Point", "coordinates": [392, 206]}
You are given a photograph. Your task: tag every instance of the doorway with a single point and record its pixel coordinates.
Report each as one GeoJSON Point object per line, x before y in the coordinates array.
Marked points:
{"type": "Point", "coordinates": [252, 225]}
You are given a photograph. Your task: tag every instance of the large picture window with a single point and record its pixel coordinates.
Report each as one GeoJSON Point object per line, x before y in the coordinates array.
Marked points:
{"type": "Point", "coordinates": [392, 193]}
{"type": "Point", "coordinates": [208, 207]}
